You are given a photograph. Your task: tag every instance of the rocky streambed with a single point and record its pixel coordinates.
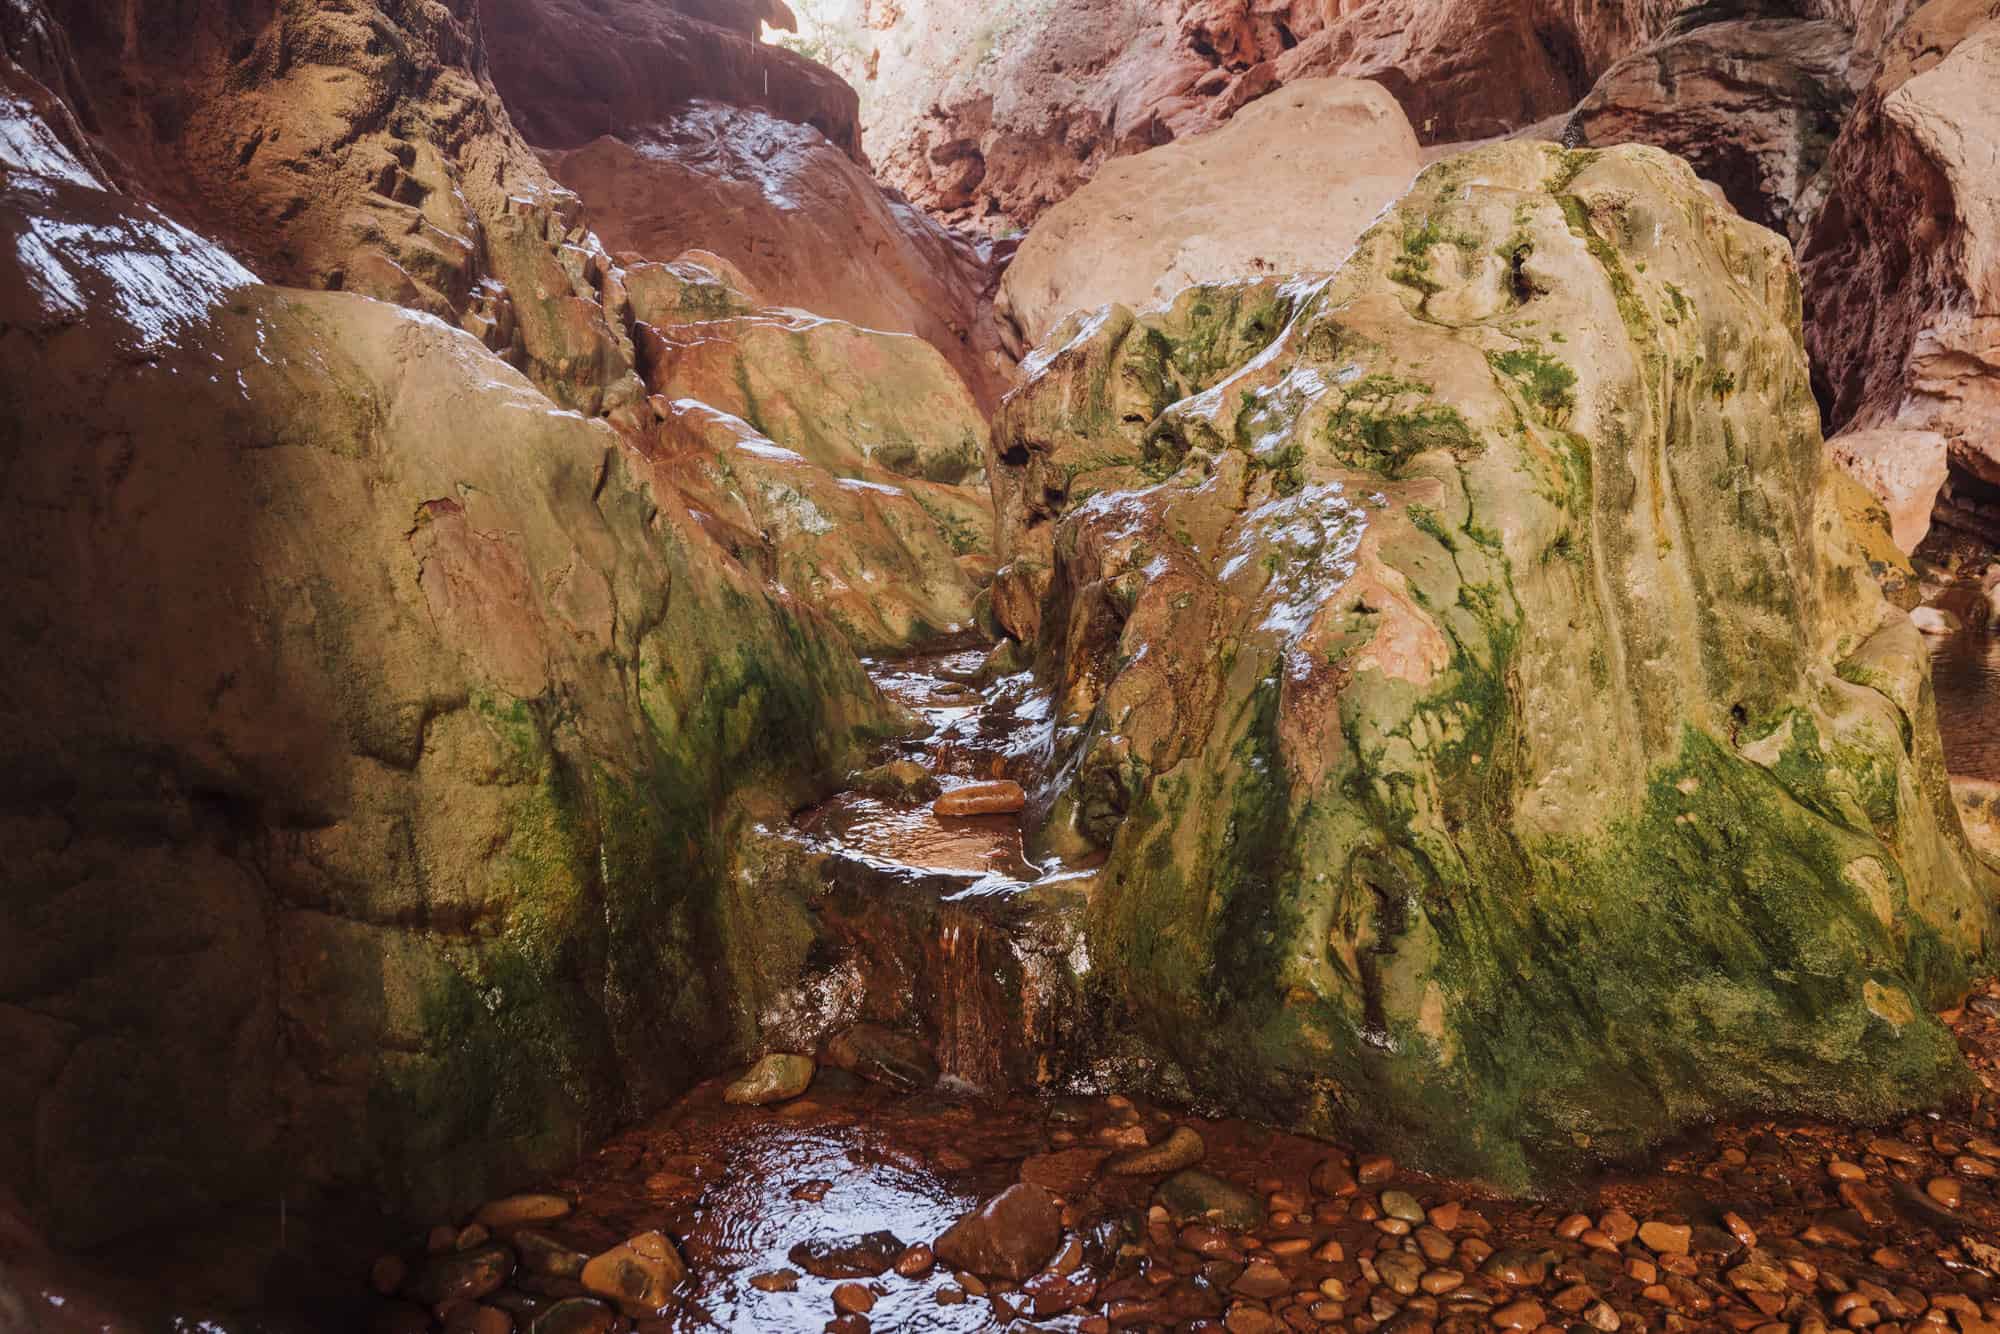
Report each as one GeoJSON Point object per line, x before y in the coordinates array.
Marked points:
{"type": "Point", "coordinates": [841, 1207]}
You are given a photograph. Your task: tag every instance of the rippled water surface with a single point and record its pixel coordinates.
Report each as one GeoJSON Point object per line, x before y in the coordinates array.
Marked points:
{"type": "Point", "coordinates": [1965, 670]}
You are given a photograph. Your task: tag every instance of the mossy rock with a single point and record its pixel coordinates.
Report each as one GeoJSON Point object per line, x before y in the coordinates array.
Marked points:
{"type": "Point", "coordinates": [1502, 748]}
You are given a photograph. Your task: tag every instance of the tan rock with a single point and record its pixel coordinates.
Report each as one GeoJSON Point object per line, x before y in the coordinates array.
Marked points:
{"type": "Point", "coordinates": [1289, 507]}
{"type": "Point", "coordinates": [1231, 204]}
{"type": "Point", "coordinates": [1903, 469]}
{"type": "Point", "coordinates": [638, 1275]}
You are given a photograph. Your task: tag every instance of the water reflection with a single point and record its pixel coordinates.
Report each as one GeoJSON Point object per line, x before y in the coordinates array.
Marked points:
{"type": "Point", "coordinates": [1965, 670]}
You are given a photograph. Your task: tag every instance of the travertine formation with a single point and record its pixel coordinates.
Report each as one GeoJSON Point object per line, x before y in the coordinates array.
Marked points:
{"type": "Point", "coordinates": [1470, 668]}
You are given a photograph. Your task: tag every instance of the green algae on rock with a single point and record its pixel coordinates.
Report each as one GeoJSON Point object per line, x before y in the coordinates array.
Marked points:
{"type": "Point", "coordinates": [401, 755]}
{"type": "Point", "coordinates": [1500, 745]}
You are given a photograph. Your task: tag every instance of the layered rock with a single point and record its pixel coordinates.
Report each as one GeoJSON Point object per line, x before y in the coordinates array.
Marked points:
{"type": "Point", "coordinates": [1752, 104]}
{"type": "Point", "coordinates": [377, 738]}
{"type": "Point", "coordinates": [1902, 266]}
{"type": "Point", "coordinates": [802, 221]}
{"type": "Point", "coordinates": [1471, 669]}
{"type": "Point", "coordinates": [576, 69]}
{"type": "Point", "coordinates": [1222, 206]}
{"type": "Point", "coordinates": [992, 114]}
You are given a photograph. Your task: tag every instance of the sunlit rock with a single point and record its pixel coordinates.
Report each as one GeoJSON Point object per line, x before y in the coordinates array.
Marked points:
{"type": "Point", "coordinates": [1478, 685]}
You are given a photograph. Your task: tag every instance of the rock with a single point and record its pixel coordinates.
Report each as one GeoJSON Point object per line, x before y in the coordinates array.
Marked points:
{"type": "Point", "coordinates": [387, 1274]}
{"type": "Point", "coordinates": [776, 200]}
{"type": "Point", "coordinates": [573, 70]}
{"type": "Point", "coordinates": [1901, 268]}
{"type": "Point", "coordinates": [472, 1318]}
{"type": "Point", "coordinates": [460, 1275]}
{"type": "Point", "coordinates": [1664, 1238]}
{"type": "Point", "coordinates": [1374, 1168]}
{"type": "Point", "coordinates": [415, 590]}
{"type": "Point", "coordinates": [861, 1256]}
{"type": "Point", "coordinates": [576, 1315]}
{"type": "Point", "coordinates": [884, 1056]}
{"type": "Point", "coordinates": [993, 133]}
{"type": "Point", "coordinates": [1262, 1280]}
{"type": "Point", "coordinates": [1194, 1194]}
{"type": "Point", "coordinates": [775, 1077]}
{"type": "Point", "coordinates": [1332, 1176]}
{"type": "Point", "coordinates": [1401, 1270]}
{"type": "Point", "coordinates": [1183, 1148]}
{"type": "Point", "coordinates": [522, 1211]}
{"type": "Point", "coordinates": [850, 462]}
{"type": "Point", "coordinates": [916, 1261]}
{"type": "Point", "coordinates": [1978, 803]}
{"type": "Point", "coordinates": [1067, 1172]}
{"type": "Point", "coordinates": [1753, 105]}
{"type": "Point", "coordinates": [1523, 1314]}
{"type": "Point", "coordinates": [776, 1280]}
{"type": "Point", "coordinates": [853, 1299]}
{"type": "Point", "coordinates": [1904, 470]}
{"type": "Point", "coordinates": [999, 797]}
{"type": "Point", "coordinates": [1935, 621]}
{"type": "Point", "coordinates": [1010, 1236]}
{"type": "Point", "coordinates": [1222, 206]}
{"type": "Point", "coordinates": [639, 1275]}
{"type": "Point", "coordinates": [543, 1254]}
{"type": "Point", "coordinates": [903, 781]}
{"type": "Point", "coordinates": [1306, 528]}
{"type": "Point", "coordinates": [1401, 1204]}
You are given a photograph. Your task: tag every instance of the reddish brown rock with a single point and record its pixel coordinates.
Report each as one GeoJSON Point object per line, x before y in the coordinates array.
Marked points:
{"type": "Point", "coordinates": [1011, 1236]}
{"type": "Point", "coordinates": [992, 114]}
{"type": "Point", "coordinates": [575, 69]}
{"type": "Point", "coordinates": [1901, 269]}
{"type": "Point", "coordinates": [803, 223]}
{"type": "Point", "coordinates": [1752, 104]}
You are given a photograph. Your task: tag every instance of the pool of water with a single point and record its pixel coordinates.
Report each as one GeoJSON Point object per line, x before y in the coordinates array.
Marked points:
{"type": "Point", "coordinates": [1965, 671]}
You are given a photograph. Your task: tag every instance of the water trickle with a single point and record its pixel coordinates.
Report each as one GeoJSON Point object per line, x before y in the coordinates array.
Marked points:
{"type": "Point", "coordinates": [953, 930]}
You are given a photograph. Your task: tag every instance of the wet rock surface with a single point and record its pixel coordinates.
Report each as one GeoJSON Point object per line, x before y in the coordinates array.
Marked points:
{"type": "Point", "coordinates": [1745, 1226]}
{"type": "Point", "coordinates": [1334, 481]}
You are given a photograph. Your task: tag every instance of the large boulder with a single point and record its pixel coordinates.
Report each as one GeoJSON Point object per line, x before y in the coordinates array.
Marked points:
{"type": "Point", "coordinates": [1500, 748]}
{"type": "Point", "coordinates": [1902, 265]}
{"type": "Point", "coordinates": [1752, 104]}
{"type": "Point", "coordinates": [1231, 204]}
{"type": "Point", "coordinates": [377, 737]}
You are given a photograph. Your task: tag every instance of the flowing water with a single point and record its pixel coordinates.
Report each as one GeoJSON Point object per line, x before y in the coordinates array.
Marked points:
{"type": "Point", "coordinates": [950, 928]}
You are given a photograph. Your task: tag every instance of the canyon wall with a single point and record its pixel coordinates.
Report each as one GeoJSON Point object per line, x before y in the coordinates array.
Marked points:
{"type": "Point", "coordinates": [409, 654]}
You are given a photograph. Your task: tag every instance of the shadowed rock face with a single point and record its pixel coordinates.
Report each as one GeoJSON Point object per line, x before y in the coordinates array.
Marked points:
{"type": "Point", "coordinates": [1752, 104]}
{"type": "Point", "coordinates": [1902, 265]}
{"type": "Point", "coordinates": [376, 746]}
{"type": "Point", "coordinates": [1476, 681]}
{"type": "Point", "coordinates": [575, 69]}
